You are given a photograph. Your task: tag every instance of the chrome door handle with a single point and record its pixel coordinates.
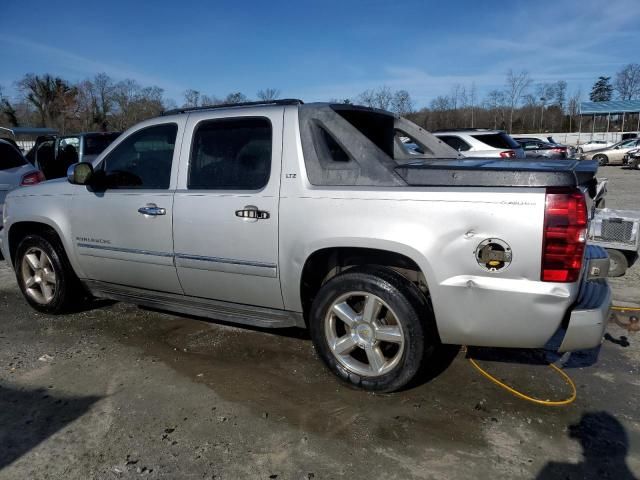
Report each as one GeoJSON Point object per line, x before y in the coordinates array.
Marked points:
{"type": "Point", "coordinates": [152, 209]}
{"type": "Point", "coordinates": [251, 212]}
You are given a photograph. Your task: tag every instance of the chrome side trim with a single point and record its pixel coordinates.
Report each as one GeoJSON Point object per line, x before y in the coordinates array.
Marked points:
{"type": "Point", "coordinates": [228, 265]}
{"type": "Point", "coordinates": [213, 309]}
{"type": "Point", "coordinates": [125, 250]}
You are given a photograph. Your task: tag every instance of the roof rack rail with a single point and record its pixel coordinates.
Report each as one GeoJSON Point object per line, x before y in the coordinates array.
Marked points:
{"type": "Point", "coordinates": [284, 101]}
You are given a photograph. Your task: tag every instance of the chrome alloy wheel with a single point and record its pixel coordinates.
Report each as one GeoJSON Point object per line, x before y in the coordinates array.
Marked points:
{"type": "Point", "coordinates": [364, 334]}
{"type": "Point", "coordinates": [38, 276]}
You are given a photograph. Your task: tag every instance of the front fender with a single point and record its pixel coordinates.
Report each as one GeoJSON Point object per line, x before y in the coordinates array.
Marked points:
{"type": "Point", "coordinates": [52, 211]}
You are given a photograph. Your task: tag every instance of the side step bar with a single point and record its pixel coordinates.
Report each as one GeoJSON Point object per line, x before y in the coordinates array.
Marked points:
{"type": "Point", "coordinates": [201, 307]}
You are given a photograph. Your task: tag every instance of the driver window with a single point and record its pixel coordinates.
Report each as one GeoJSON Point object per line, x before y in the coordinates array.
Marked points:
{"type": "Point", "coordinates": [143, 160]}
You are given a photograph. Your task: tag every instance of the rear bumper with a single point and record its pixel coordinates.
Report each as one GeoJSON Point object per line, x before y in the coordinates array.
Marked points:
{"type": "Point", "coordinates": [588, 318]}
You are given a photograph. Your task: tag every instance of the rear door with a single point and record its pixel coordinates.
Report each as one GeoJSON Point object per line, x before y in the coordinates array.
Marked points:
{"type": "Point", "coordinates": [226, 207]}
{"type": "Point", "coordinates": [123, 232]}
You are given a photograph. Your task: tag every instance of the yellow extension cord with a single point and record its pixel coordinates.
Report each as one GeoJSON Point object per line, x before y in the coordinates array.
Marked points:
{"type": "Point", "coordinates": [539, 401]}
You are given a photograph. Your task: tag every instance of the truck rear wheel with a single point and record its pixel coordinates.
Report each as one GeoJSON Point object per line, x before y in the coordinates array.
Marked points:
{"type": "Point", "coordinates": [373, 328]}
{"type": "Point", "coordinates": [45, 276]}
{"type": "Point", "coordinates": [618, 263]}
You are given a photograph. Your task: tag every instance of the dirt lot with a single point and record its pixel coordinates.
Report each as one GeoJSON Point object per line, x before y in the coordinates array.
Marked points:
{"type": "Point", "coordinates": [120, 392]}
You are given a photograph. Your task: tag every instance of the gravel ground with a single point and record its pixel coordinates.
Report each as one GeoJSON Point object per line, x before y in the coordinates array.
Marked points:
{"type": "Point", "coordinates": [118, 392]}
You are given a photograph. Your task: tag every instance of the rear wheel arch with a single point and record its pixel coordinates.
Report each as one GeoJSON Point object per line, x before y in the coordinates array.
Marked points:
{"type": "Point", "coordinates": [324, 264]}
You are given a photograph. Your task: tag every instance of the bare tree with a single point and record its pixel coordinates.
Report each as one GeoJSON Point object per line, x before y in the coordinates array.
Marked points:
{"type": "Point", "coordinates": [516, 85]}
{"type": "Point", "coordinates": [376, 98]}
{"type": "Point", "coordinates": [268, 94]}
{"type": "Point", "coordinates": [560, 93]}
{"type": "Point", "coordinates": [495, 102]}
{"type": "Point", "coordinates": [401, 102]}
{"type": "Point", "coordinates": [7, 111]}
{"type": "Point", "coordinates": [235, 97]}
{"type": "Point", "coordinates": [50, 96]}
{"type": "Point", "coordinates": [545, 93]}
{"type": "Point", "coordinates": [191, 98]}
{"type": "Point", "coordinates": [472, 100]}
{"type": "Point", "coordinates": [573, 107]}
{"type": "Point", "coordinates": [209, 100]}
{"type": "Point", "coordinates": [627, 82]}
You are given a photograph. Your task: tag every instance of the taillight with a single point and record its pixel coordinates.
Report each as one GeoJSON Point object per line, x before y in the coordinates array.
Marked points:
{"type": "Point", "coordinates": [558, 150]}
{"type": "Point", "coordinates": [508, 154]}
{"type": "Point", "coordinates": [32, 178]}
{"type": "Point", "coordinates": [565, 235]}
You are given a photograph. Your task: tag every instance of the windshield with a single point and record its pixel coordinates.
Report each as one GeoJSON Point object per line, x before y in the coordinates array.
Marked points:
{"type": "Point", "coordinates": [497, 140]}
{"type": "Point", "coordinates": [95, 144]}
{"type": "Point", "coordinates": [9, 157]}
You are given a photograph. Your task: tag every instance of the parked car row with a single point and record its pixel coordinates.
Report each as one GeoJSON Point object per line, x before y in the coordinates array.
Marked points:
{"type": "Point", "coordinates": [48, 159]}
{"type": "Point", "coordinates": [536, 148]}
{"type": "Point", "coordinates": [53, 155]}
{"type": "Point", "coordinates": [481, 142]}
{"type": "Point", "coordinates": [612, 154]}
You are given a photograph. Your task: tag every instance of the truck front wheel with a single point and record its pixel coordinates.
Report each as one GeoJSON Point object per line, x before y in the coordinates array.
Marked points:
{"type": "Point", "coordinates": [373, 328]}
{"type": "Point", "coordinates": [45, 276]}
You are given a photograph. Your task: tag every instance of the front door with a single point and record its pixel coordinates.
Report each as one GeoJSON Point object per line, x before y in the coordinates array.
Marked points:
{"type": "Point", "coordinates": [122, 231]}
{"type": "Point", "coordinates": [225, 221]}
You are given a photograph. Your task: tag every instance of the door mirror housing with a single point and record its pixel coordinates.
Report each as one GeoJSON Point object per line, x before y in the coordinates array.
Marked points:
{"type": "Point", "coordinates": [80, 173]}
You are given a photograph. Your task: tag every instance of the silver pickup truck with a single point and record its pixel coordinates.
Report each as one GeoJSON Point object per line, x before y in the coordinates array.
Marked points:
{"type": "Point", "coordinates": [318, 216]}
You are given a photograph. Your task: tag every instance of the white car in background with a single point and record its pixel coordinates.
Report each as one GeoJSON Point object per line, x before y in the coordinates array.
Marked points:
{"type": "Point", "coordinates": [481, 143]}
{"type": "Point", "coordinates": [592, 145]}
{"type": "Point", "coordinates": [15, 171]}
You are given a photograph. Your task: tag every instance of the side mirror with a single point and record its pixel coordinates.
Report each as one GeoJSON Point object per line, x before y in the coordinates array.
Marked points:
{"type": "Point", "coordinates": [80, 173]}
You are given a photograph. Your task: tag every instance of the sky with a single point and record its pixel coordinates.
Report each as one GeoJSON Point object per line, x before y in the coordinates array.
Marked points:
{"type": "Point", "coordinates": [320, 50]}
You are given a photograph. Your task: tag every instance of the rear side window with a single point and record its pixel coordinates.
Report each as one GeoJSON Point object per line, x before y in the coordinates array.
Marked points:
{"type": "Point", "coordinates": [231, 154]}
{"type": "Point", "coordinates": [9, 157]}
{"type": "Point", "coordinates": [455, 142]}
{"type": "Point", "coordinates": [143, 160]}
{"type": "Point", "coordinates": [497, 140]}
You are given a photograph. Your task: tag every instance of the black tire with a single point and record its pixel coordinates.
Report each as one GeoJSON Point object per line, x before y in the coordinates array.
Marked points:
{"type": "Point", "coordinates": [67, 289]}
{"type": "Point", "coordinates": [413, 312]}
{"type": "Point", "coordinates": [602, 159]}
{"type": "Point", "coordinates": [618, 263]}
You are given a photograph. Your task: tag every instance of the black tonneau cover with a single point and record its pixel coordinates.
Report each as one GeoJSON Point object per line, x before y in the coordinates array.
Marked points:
{"type": "Point", "coordinates": [486, 172]}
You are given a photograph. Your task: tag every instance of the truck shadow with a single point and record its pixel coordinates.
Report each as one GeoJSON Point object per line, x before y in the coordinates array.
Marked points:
{"type": "Point", "coordinates": [29, 417]}
{"type": "Point", "coordinates": [605, 445]}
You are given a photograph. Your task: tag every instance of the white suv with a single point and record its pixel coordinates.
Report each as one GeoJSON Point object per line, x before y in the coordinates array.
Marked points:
{"type": "Point", "coordinates": [481, 142]}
